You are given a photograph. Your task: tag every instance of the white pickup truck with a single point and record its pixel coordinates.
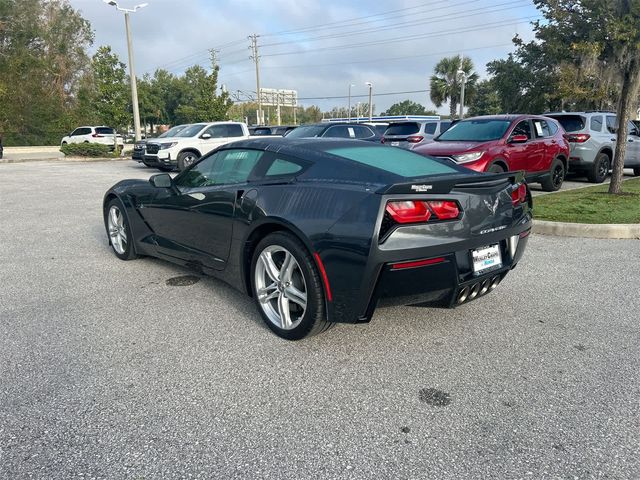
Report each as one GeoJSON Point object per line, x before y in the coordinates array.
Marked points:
{"type": "Point", "coordinates": [190, 144]}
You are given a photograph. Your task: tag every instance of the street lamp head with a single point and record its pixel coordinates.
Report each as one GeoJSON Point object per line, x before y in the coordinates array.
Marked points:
{"type": "Point", "coordinates": [368, 84]}
{"type": "Point", "coordinates": [138, 7]}
{"type": "Point", "coordinates": [113, 3]}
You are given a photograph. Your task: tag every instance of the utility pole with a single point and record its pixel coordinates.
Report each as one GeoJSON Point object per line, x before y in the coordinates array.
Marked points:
{"type": "Point", "coordinates": [132, 72]}
{"type": "Point", "coordinates": [278, 104]}
{"type": "Point", "coordinates": [370, 85]}
{"type": "Point", "coordinates": [349, 113]}
{"type": "Point", "coordinates": [256, 59]}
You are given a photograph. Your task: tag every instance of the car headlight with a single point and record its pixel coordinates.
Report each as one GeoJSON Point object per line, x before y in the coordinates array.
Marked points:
{"type": "Point", "coordinates": [164, 146]}
{"type": "Point", "coordinates": [468, 157]}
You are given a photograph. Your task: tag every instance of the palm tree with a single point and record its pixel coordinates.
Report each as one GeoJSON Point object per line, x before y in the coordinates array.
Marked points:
{"type": "Point", "coordinates": [445, 82]}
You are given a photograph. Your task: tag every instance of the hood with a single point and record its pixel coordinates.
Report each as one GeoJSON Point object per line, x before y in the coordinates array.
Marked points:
{"type": "Point", "coordinates": [451, 148]}
{"type": "Point", "coordinates": [169, 139]}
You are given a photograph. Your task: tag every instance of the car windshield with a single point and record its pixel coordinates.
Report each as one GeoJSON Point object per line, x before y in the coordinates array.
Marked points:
{"type": "Point", "coordinates": [570, 123]}
{"type": "Point", "coordinates": [478, 130]}
{"type": "Point", "coordinates": [306, 132]}
{"type": "Point", "coordinates": [191, 130]}
{"type": "Point", "coordinates": [395, 160]}
{"type": "Point", "coordinates": [408, 128]}
{"type": "Point", "coordinates": [172, 132]}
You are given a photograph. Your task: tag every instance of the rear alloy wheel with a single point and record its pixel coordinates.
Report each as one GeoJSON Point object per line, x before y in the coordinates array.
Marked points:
{"type": "Point", "coordinates": [554, 181]}
{"type": "Point", "coordinates": [496, 168]}
{"type": "Point", "coordinates": [186, 159]}
{"type": "Point", "coordinates": [599, 169]}
{"type": "Point", "coordinates": [287, 288]}
{"type": "Point", "coordinates": [119, 232]}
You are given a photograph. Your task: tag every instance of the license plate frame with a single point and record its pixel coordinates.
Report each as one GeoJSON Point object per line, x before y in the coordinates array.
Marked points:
{"type": "Point", "coordinates": [486, 259]}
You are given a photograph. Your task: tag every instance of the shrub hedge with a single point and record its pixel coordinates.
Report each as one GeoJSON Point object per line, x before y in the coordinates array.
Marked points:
{"type": "Point", "coordinates": [87, 150]}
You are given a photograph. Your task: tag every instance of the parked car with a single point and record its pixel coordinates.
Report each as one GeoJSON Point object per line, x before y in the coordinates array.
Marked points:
{"type": "Point", "coordinates": [100, 134]}
{"type": "Point", "coordinates": [139, 146]}
{"type": "Point", "coordinates": [379, 127]}
{"type": "Point", "coordinates": [414, 133]}
{"type": "Point", "coordinates": [191, 143]}
{"type": "Point", "coordinates": [320, 231]}
{"type": "Point", "coordinates": [592, 137]}
{"type": "Point", "coordinates": [505, 143]}
{"type": "Point", "coordinates": [278, 130]}
{"type": "Point", "coordinates": [356, 131]}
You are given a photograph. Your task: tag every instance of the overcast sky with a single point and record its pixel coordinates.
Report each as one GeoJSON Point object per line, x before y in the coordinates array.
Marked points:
{"type": "Point", "coordinates": [325, 52]}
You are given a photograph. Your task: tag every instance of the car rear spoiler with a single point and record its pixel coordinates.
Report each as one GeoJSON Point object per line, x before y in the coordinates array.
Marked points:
{"type": "Point", "coordinates": [444, 184]}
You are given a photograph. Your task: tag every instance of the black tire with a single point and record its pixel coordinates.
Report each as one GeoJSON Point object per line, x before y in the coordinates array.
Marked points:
{"type": "Point", "coordinates": [554, 181]}
{"type": "Point", "coordinates": [186, 159]}
{"type": "Point", "coordinates": [128, 252]}
{"type": "Point", "coordinates": [314, 319]}
{"type": "Point", "coordinates": [496, 168]}
{"type": "Point", "coordinates": [600, 168]}
{"type": "Point", "coordinates": [636, 171]}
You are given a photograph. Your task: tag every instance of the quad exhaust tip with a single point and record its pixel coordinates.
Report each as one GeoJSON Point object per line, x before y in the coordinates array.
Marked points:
{"type": "Point", "coordinates": [478, 289]}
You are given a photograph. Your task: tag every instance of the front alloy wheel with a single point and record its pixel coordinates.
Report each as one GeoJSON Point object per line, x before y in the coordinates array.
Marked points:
{"type": "Point", "coordinates": [119, 232]}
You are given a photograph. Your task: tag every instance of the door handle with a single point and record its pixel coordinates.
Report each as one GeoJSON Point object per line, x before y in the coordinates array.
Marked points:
{"type": "Point", "coordinates": [613, 139]}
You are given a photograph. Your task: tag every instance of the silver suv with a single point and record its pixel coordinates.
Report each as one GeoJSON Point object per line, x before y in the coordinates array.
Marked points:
{"type": "Point", "coordinates": [412, 133]}
{"type": "Point", "coordinates": [592, 137]}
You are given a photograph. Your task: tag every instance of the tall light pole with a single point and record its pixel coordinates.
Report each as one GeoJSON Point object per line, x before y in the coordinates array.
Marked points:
{"type": "Point", "coordinates": [463, 81]}
{"type": "Point", "coordinates": [349, 113]}
{"type": "Point", "coordinates": [370, 85]}
{"type": "Point", "coordinates": [132, 72]}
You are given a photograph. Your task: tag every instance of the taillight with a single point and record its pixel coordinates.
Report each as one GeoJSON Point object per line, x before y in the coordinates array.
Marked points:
{"type": "Point", "coordinates": [577, 137]}
{"type": "Point", "coordinates": [519, 194]}
{"type": "Point", "coordinates": [415, 138]}
{"type": "Point", "coordinates": [97, 135]}
{"type": "Point", "coordinates": [409, 211]}
{"type": "Point", "coordinates": [412, 211]}
{"type": "Point", "coordinates": [382, 140]}
{"type": "Point", "coordinates": [445, 209]}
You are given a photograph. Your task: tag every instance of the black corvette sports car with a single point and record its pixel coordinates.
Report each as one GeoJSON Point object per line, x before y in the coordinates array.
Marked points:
{"type": "Point", "coordinates": [320, 231]}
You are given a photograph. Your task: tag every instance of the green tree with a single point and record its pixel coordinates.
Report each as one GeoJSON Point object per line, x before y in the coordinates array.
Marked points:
{"type": "Point", "coordinates": [408, 107]}
{"type": "Point", "coordinates": [606, 36]}
{"type": "Point", "coordinates": [446, 82]}
{"type": "Point", "coordinates": [42, 60]}
{"type": "Point", "coordinates": [486, 100]}
{"type": "Point", "coordinates": [111, 93]}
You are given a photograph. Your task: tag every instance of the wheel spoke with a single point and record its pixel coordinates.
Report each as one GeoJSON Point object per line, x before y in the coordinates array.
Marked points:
{"type": "Point", "coordinates": [288, 266]}
{"type": "Point", "coordinates": [296, 296]}
{"type": "Point", "coordinates": [113, 215]}
{"type": "Point", "coordinates": [284, 312]}
{"type": "Point", "coordinates": [268, 293]}
{"type": "Point", "coordinates": [270, 266]}
{"type": "Point", "coordinates": [123, 235]}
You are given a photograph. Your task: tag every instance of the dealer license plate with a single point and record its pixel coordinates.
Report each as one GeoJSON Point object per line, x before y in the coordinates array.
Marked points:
{"type": "Point", "coordinates": [486, 258]}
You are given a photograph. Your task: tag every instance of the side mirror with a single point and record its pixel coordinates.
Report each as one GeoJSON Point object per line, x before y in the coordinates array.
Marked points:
{"type": "Point", "coordinates": [205, 136]}
{"type": "Point", "coordinates": [518, 139]}
{"type": "Point", "coordinates": [161, 180]}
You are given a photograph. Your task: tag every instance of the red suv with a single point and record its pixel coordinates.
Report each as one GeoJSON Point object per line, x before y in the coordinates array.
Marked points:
{"type": "Point", "coordinates": [501, 143]}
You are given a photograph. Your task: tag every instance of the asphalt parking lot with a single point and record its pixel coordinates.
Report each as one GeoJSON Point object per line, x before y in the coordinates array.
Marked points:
{"type": "Point", "coordinates": [109, 369]}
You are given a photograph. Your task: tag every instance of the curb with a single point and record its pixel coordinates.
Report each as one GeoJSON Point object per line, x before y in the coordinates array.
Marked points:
{"type": "Point", "coordinates": [63, 159]}
{"type": "Point", "coordinates": [587, 230]}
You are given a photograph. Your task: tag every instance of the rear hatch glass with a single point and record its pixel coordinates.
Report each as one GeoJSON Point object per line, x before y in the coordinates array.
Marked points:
{"type": "Point", "coordinates": [104, 131]}
{"type": "Point", "coordinates": [570, 123]}
{"type": "Point", "coordinates": [402, 129]}
{"type": "Point", "coordinates": [395, 160]}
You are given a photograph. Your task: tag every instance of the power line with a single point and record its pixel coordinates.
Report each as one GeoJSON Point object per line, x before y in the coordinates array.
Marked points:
{"type": "Point", "coordinates": [413, 23]}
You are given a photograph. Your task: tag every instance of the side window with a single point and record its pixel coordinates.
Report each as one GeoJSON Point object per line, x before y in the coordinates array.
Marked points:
{"type": "Point", "coordinates": [235, 130]}
{"type": "Point", "coordinates": [216, 131]}
{"type": "Point", "coordinates": [76, 132]}
{"type": "Point", "coordinates": [363, 132]}
{"type": "Point", "coordinates": [595, 123]}
{"type": "Point", "coordinates": [523, 128]}
{"type": "Point", "coordinates": [553, 127]}
{"type": "Point", "coordinates": [340, 131]}
{"type": "Point", "coordinates": [82, 131]}
{"type": "Point", "coordinates": [430, 128]}
{"type": "Point", "coordinates": [281, 166]}
{"type": "Point", "coordinates": [542, 128]}
{"type": "Point", "coordinates": [612, 124]}
{"type": "Point", "coordinates": [632, 129]}
{"type": "Point", "coordinates": [444, 126]}
{"type": "Point", "coordinates": [222, 168]}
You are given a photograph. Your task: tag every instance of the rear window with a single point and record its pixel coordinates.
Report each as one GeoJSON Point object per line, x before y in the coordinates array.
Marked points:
{"type": "Point", "coordinates": [570, 123]}
{"type": "Point", "coordinates": [430, 128]}
{"type": "Point", "coordinates": [394, 160]}
{"type": "Point", "coordinates": [104, 131]}
{"type": "Point", "coordinates": [234, 130]}
{"type": "Point", "coordinates": [408, 128]}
